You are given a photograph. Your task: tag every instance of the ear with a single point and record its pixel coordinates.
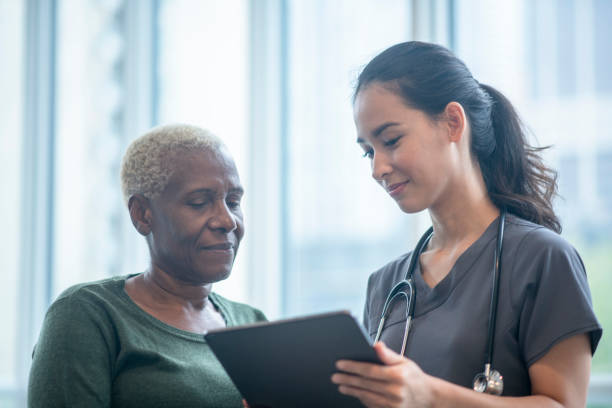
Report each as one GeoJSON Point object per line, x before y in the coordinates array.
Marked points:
{"type": "Point", "coordinates": [455, 121]}
{"type": "Point", "coordinates": [140, 213]}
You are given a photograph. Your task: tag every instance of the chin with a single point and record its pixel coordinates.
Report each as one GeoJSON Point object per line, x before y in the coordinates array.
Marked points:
{"type": "Point", "coordinates": [410, 208]}
{"type": "Point", "coordinates": [200, 277]}
{"type": "Point", "coordinates": [219, 276]}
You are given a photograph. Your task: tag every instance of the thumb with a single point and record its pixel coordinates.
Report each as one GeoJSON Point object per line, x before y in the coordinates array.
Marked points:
{"type": "Point", "coordinates": [386, 355]}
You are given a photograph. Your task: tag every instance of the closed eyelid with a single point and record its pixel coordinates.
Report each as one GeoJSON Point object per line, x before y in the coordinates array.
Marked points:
{"type": "Point", "coordinates": [392, 140]}
{"type": "Point", "coordinates": [233, 200]}
{"type": "Point", "coordinates": [365, 147]}
{"type": "Point", "coordinates": [393, 131]}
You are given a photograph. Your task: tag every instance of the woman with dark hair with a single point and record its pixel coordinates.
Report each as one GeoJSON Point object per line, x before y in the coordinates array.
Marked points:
{"type": "Point", "coordinates": [492, 285]}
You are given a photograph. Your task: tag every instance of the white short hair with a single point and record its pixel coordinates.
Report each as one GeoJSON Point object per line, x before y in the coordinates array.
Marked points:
{"type": "Point", "coordinates": [150, 160]}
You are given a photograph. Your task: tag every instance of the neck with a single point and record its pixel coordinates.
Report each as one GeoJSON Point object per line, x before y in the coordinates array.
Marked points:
{"type": "Point", "coordinates": [167, 289]}
{"type": "Point", "coordinates": [456, 224]}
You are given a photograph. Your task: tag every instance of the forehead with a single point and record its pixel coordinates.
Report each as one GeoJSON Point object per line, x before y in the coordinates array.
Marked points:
{"type": "Point", "coordinates": [212, 169]}
{"type": "Point", "coordinates": [376, 105]}
{"type": "Point", "coordinates": [376, 99]}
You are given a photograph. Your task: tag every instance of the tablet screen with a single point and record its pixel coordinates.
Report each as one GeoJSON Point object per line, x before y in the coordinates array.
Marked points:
{"type": "Point", "coordinates": [289, 363]}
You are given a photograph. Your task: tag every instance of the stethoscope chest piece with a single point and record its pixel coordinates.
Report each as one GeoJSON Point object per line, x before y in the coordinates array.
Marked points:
{"type": "Point", "coordinates": [489, 382]}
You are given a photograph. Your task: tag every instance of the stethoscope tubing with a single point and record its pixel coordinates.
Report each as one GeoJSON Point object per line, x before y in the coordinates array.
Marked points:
{"type": "Point", "coordinates": [397, 291]}
{"type": "Point", "coordinates": [493, 381]}
{"type": "Point", "coordinates": [495, 289]}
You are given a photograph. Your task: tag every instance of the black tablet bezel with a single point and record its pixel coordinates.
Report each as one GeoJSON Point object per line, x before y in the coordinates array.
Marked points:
{"type": "Point", "coordinates": [289, 363]}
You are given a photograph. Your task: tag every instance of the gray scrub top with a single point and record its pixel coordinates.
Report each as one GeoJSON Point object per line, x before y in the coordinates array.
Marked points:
{"type": "Point", "coordinates": [544, 298]}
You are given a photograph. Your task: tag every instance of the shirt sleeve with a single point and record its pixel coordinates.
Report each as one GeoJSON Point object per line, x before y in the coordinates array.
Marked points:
{"type": "Point", "coordinates": [366, 307]}
{"type": "Point", "coordinates": [260, 316]}
{"type": "Point", "coordinates": [71, 363]}
{"type": "Point", "coordinates": [553, 299]}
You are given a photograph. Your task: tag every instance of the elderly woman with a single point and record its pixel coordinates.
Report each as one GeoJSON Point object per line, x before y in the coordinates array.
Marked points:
{"type": "Point", "coordinates": [137, 340]}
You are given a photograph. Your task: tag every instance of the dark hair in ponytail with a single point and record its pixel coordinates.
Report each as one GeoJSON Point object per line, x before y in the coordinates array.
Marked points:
{"type": "Point", "coordinates": [428, 77]}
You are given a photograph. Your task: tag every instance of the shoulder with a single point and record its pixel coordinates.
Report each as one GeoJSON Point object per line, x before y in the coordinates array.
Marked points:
{"type": "Point", "coordinates": [100, 286]}
{"type": "Point", "coordinates": [99, 302]}
{"type": "Point", "coordinates": [534, 247]}
{"type": "Point", "coordinates": [379, 285]}
{"type": "Point", "coordinates": [92, 293]}
{"type": "Point", "coordinates": [86, 311]}
{"type": "Point", "coordinates": [241, 313]}
{"type": "Point", "coordinates": [389, 274]}
{"type": "Point", "coordinates": [548, 288]}
{"type": "Point", "coordinates": [528, 234]}
{"type": "Point", "coordinates": [542, 265]}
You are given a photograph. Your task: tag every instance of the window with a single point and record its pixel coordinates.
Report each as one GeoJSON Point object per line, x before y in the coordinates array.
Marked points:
{"type": "Point", "coordinates": [90, 99]}
{"type": "Point", "coordinates": [558, 85]}
{"type": "Point", "coordinates": [604, 186]}
{"type": "Point", "coordinates": [11, 119]}
{"type": "Point", "coordinates": [341, 226]}
{"type": "Point", "coordinates": [569, 184]}
{"type": "Point", "coordinates": [566, 46]}
{"type": "Point", "coordinates": [204, 81]}
{"type": "Point", "coordinates": [82, 78]}
{"type": "Point", "coordinates": [602, 14]}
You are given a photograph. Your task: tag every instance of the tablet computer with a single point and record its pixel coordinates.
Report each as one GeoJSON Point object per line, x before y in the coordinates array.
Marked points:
{"type": "Point", "coordinates": [289, 363]}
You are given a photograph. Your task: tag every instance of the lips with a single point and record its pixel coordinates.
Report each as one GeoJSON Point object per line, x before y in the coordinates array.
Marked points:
{"type": "Point", "coordinates": [221, 246]}
{"type": "Point", "coordinates": [396, 188]}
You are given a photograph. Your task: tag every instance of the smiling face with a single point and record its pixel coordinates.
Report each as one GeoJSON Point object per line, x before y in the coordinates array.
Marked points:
{"type": "Point", "coordinates": [411, 155]}
{"type": "Point", "coordinates": [196, 222]}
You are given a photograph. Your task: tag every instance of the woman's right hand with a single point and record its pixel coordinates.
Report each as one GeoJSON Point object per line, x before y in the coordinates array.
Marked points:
{"type": "Point", "coordinates": [399, 383]}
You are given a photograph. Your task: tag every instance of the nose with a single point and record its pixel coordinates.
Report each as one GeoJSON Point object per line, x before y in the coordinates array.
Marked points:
{"type": "Point", "coordinates": [223, 219]}
{"type": "Point", "coordinates": [380, 166]}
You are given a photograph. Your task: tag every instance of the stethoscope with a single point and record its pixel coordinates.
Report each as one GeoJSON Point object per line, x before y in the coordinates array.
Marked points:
{"type": "Point", "coordinates": [489, 381]}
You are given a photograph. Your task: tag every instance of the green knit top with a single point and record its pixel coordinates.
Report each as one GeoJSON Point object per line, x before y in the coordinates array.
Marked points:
{"type": "Point", "coordinates": [97, 348]}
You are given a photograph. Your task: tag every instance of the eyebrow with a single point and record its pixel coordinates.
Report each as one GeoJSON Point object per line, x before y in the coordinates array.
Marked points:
{"type": "Point", "coordinates": [376, 132]}
{"type": "Point", "coordinates": [211, 191]}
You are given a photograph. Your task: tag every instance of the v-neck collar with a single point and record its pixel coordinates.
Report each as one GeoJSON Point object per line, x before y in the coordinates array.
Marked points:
{"type": "Point", "coordinates": [428, 298]}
